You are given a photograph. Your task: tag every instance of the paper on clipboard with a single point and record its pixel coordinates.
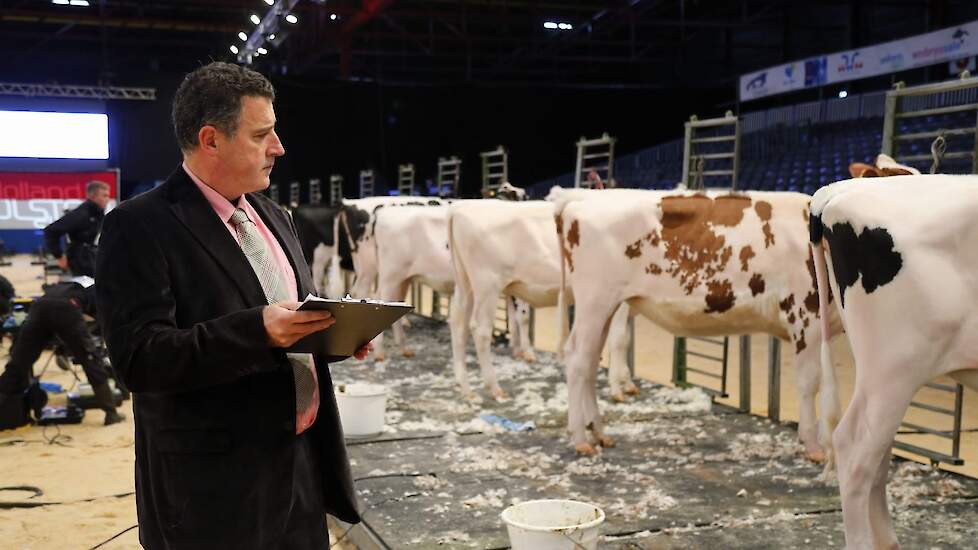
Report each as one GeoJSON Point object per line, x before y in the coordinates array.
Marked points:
{"type": "Point", "coordinates": [357, 323]}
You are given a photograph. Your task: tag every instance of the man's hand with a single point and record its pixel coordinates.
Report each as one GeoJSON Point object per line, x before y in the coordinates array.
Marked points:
{"type": "Point", "coordinates": [362, 353]}
{"type": "Point", "coordinates": [63, 263]}
{"type": "Point", "coordinates": [286, 326]}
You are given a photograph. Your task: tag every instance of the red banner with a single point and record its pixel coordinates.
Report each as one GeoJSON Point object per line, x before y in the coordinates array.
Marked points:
{"type": "Point", "coordinates": [54, 185]}
{"type": "Point", "coordinates": [32, 200]}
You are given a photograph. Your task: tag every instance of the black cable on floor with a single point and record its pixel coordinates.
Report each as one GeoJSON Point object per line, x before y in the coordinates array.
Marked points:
{"type": "Point", "coordinates": [117, 535]}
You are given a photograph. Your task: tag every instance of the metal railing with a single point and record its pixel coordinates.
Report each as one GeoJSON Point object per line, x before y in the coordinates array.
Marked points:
{"type": "Point", "coordinates": [932, 101]}
{"type": "Point", "coordinates": [597, 155]}
{"type": "Point", "coordinates": [495, 168]}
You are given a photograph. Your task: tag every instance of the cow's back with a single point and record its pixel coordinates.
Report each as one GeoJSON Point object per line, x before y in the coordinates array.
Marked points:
{"type": "Point", "coordinates": [412, 241]}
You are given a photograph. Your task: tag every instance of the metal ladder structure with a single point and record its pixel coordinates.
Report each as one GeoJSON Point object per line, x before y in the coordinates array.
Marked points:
{"type": "Point", "coordinates": [273, 192]}
{"type": "Point", "coordinates": [495, 169]}
{"type": "Point", "coordinates": [335, 189]}
{"type": "Point", "coordinates": [449, 176]}
{"type": "Point", "coordinates": [711, 148]}
{"type": "Point", "coordinates": [597, 155]}
{"type": "Point", "coordinates": [315, 191]}
{"type": "Point", "coordinates": [366, 183]}
{"type": "Point", "coordinates": [294, 189]}
{"type": "Point", "coordinates": [405, 179]}
{"type": "Point", "coordinates": [908, 103]}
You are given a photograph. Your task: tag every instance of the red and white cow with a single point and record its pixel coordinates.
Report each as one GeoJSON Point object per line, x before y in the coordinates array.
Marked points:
{"type": "Point", "coordinates": [695, 264]}
{"type": "Point", "coordinates": [901, 261]}
{"type": "Point", "coordinates": [500, 247]}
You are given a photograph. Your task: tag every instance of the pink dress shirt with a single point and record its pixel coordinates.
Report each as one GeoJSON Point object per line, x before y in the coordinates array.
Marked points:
{"type": "Point", "coordinates": [224, 209]}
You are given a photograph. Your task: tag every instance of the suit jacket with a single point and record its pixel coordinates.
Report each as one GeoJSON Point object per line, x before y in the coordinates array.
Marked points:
{"type": "Point", "coordinates": [214, 405]}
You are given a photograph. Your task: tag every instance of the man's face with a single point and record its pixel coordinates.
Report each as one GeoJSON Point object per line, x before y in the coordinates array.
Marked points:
{"type": "Point", "coordinates": [246, 158]}
{"type": "Point", "coordinates": [100, 197]}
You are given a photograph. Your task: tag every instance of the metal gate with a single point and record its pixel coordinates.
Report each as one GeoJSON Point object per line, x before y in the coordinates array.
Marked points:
{"type": "Point", "coordinates": [405, 179]}
{"type": "Point", "coordinates": [918, 133]}
{"type": "Point", "coordinates": [449, 176]}
{"type": "Point", "coordinates": [366, 183]}
{"type": "Point", "coordinates": [335, 189]}
{"type": "Point", "coordinates": [315, 191]}
{"type": "Point", "coordinates": [495, 169]}
{"type": "Point", "coordinates": [711, 152]}
{"type": "Point", "coordinates": [596, 155]}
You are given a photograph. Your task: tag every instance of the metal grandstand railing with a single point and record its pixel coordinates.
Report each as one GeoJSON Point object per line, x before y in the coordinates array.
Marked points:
{"type": "Point", "coordinates": [405, 179]}
{"type": "Point", "coordinates": [315, 191]}
{"type": "Point", "coordinates": [597, 155]}
{"type": "Point", "coordinates": [335, 189]}
{"type": "Point", "coordinates": [495, 168]}
{"type": "Point", "coordinates": [943, 116]}
{"type": "Point", "coordinates": [366, 183]}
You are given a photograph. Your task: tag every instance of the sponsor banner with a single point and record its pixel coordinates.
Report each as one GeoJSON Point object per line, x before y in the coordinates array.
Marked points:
{"type": "Point", "coordinates": [916, 51]}
{"type": "Point", "coordinates": [774, 80]}
{"type": "Point", "coordinates": [32, 200]}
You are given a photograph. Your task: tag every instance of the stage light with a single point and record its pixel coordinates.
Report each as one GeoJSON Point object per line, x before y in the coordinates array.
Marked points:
{"type": "Point", "coordinates": [255, 19]}
{"type": "Point", "coordinates": [262, 51]}
{"type": "Point", "coordinates": [234, 49]}
{"type": "Point", "coordinates": [550, 25]}
{"type": "Point", "coordinates": [243, 36]}
{"type": "Point", "coordinates": [843, 94]}
{"type": "Point", "coordinates": [292, 19]}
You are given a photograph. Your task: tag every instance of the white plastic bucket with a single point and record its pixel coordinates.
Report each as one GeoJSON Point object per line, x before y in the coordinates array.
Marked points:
{"type": "Point", "coordinates": [362, 408]}
{"type": "Point", "coordinates": [553, 525]}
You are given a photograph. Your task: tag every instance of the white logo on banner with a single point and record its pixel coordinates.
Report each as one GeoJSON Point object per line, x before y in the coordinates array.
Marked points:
{"type": "Point", "coordinates": [36, 213]}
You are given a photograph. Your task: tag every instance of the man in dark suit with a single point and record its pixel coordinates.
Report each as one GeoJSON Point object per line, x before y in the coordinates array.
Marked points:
{"type": "Point", "coordinates": [82, 226]}
{"type": "Point", "coordinates": [238, 444]}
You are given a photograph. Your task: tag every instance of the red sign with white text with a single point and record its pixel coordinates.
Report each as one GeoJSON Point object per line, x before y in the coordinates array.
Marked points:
{"type": "Point", "coordinates": [32, 200]}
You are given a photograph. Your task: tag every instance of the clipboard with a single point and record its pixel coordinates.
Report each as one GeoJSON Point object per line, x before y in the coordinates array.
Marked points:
{"type": "Point", "coordinates": [357, 323]}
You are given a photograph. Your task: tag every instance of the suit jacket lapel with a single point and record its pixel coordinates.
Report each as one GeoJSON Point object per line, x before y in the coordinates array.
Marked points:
{"type": "Point", "coordinates": [291, 246]}
{"type": "Point", "coordinates": [192, 209]}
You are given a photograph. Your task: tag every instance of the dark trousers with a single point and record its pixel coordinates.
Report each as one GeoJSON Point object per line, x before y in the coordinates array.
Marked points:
{"type": "Point", "coordinates": [81, 259]}
{"type": "Point", "coordinates": [306, 528]}
{"type": "Point", "coordinates": [50, 317]}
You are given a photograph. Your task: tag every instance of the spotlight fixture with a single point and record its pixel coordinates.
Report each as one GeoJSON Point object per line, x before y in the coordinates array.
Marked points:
{"type": "Point", "coordinates": [234, 49]}
{"type": "Point", "coordinates": [255, 19]}
{"type": "Point", "coordinates": [292, 19]}
{"type": "Point", "coordinates": [262, 51]}
{"type": "Point", "coordinates": [243, 36]}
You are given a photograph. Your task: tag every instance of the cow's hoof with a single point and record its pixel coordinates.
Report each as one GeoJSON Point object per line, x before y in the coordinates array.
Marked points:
{"type": "Point", "coordinates": [815, 455]}
{"type": "Point", "coordinates": [499, 395]}
{"type": "Point", "coordinates": [585, 449]}
{"type": "Point", "coordinates": [379, 357]}
{"type": "Point", "coordinates": [618, 397]}
{"type": "Point", "coordinates": [632, 389]}
{"type": "Point", "coordinates": [530, 357]}
{"type": "Point", "coordinates": [606, 442]}
{"type": "Point", "coordinates": [408, 353]}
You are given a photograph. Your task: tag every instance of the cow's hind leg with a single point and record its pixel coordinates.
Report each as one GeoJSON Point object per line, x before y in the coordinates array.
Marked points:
{"type": "Point", "coordinates": [879, 513]}
{"type": "Point", "coordinates": [483, 313]}
{"type": "Point", "coordinates": [459, 313]}
{"type": "Point", "coordinates": [619, 377]}
{"type": "Point", "coordinates": [521, 311]}
{"type": "Point", "coordinates": [807, 378]}
{"type": "Point", "coordinates": [581, 363]}
{"type": "Point", "coordinates": [862, 440]}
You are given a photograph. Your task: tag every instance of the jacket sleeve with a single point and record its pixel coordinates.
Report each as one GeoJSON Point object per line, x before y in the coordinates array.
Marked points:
{"type": "Point", "coordinates": [137, 311]}
{"type": "Point", "coordinates": [70, 222]}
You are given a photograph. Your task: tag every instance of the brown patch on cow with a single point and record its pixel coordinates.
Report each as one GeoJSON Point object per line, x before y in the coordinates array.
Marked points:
{"type": "Point", "coordinates": [746, 253]}
{"type": "Point", "coordinates": [764, 209]}
{"type": "Point", "coordinates": [811, 302]}
{"type": "Point", "coordinates": [653, 269]}
{"type": "Point", "coordinates": [721, 296]}
{"type": "Point", "coordinates": [756, 284]}
{"type": "Point", "coordinates": [634, 250]}
{"type": "Point", "coordinates": [791, 317]}
{"type": "Point", "coordinates": [564, 251]}
{"type": "Point", "coordinates": [800, 344]}
{"type": "Point", "coordinates": [694, 251]}
{"type": "Point", "coordinates": [653, 238]}
{"type": "Point", "coordinates": [574, 235]}
{"type": "Point", "coordinates": [787, 304]}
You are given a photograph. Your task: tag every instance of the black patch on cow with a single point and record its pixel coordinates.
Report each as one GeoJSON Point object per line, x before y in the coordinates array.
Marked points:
{"type": "Point", "coordinates": [870, 256]}
{"type": "Point", "coordinates": [314, 225]}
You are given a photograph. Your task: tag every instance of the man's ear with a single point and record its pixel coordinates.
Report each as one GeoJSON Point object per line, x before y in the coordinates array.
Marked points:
{"type": "Point", "coordinates": [207, 139]}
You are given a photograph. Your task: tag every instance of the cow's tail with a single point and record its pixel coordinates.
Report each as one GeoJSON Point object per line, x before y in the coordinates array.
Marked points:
{"type": "Point", "coordinates": [463, 286]}
{"type": "Point", "coordinates": [335, 285]}
{"type": "Point", "coordinates": [828, 392]}
{"type": "Point", "coordinates": [563, 324]}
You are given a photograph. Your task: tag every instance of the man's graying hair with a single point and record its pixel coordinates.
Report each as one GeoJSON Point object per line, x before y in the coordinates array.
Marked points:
{"type": "Point", "coordinates": [211, 95]}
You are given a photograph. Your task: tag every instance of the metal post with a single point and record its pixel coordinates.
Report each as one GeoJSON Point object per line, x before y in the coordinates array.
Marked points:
{"type": "Point", "coordinates": [889, 122]}
{"type": "Point", "coordinates": [956, 435]}
{"type": "Point", "coordinates": [435, 305]}
{"type": "Point", "coordinates": [533, 321]}
{"type": "Point", "coordinates": [679, 362]}
{"type": "Point", "coordinates": [774, 379]}
{"type": "Point", "coordinates": [687, 149]}
{"type": "Point", "coordinates": [745, 373]}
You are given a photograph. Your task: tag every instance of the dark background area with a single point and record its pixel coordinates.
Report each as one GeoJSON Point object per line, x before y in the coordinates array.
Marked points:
{"type": "Point", "coordinates": [391, 82]}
